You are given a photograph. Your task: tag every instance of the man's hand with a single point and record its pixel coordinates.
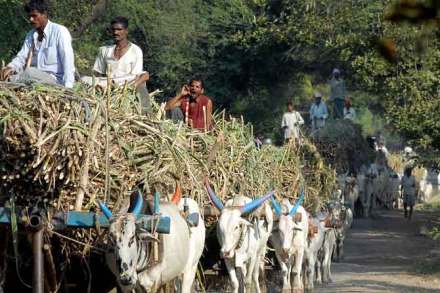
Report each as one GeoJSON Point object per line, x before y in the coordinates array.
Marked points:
{"type": "Point", "coordinates": [5, 73]}
{"type": "Point", "coordinates": [184, 91]}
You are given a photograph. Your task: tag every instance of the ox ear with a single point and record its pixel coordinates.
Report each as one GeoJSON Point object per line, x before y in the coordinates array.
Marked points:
{"type": "Point", "coordinates": [249, 207]}
{"type": "Point", "coordinates": [213, 197]}
{"type": "Point", "coordinates": [105, 210]}
{"type": "Point", "coordinates": [276, 206]}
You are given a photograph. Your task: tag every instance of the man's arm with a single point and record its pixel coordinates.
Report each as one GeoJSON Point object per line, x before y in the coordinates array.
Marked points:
{"type": "Point", "coordinates": [283, 121]}
{"type": "Point", "coordinates": [325, 111]}
{"type": "Point", "coordinates": [19, 61]}
{"type": "Point", "coordinates": [175, 102]}
{"type": "Point", "coordinates": [66, 57]}
{"type": "Point", "coordinates": [300, 119]}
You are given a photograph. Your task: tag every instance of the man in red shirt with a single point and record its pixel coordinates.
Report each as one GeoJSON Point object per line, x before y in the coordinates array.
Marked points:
{"type": "Point", "coordinates": [195, 106]}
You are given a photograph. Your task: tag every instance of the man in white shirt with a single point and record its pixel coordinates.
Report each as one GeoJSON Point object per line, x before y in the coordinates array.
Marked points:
{"type": "Point", "coordinates": [122, 61]}
{"type": "Point", "coordinates": [349, 112]}
{"type": "Point", "coordinates": [290, 123]}
{"type": "Point", "coordinates": [46, 55]}
{"type": "Point", "coordinates": [318, 112]}
{"type": "Point", "coordinates": [409, 192]}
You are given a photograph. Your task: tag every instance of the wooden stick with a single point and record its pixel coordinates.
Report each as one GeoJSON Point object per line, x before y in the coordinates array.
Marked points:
{"type": "Point", "coordinates": [84, 175]}
{"type": "Point", "coordinates": [51, 272]}
{"type": "Point", "coordinates": [107, 135]}
{"type": "Point", "coordinates": [187, 114]}
{"type": "Point", "coordinates": [205, 121]}
{"type": "Point", "coordinates": [29, 57]}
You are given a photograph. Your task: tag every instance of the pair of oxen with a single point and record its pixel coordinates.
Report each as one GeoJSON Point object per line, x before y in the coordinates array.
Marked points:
{"type": "Point", "coordinates": [304, 245]}
{"type": "Point", "coordinates": [244, 228]}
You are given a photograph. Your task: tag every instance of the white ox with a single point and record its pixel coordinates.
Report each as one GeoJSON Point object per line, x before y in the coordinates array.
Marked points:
{"type": "Point", "coordinates": [311, 264]}
{"type": "Point", "coordinates": [243, 244]}
{"type": "Point", "coordinates": [289, 239]}
{"type": "Point", "coordinates": [343, 218]}
{"type": "Point", "coordinates": [351, 191]}
{"type": "Point", "coordinates": [129, 255]}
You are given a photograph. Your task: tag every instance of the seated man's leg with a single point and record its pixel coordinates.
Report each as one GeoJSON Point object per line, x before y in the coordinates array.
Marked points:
{"type": "Point", "coordinates": [144, 98]}
{"type": "Point", "coordinates": [175, 114]}
{"type": "Point", "coordinates": [35, 75]}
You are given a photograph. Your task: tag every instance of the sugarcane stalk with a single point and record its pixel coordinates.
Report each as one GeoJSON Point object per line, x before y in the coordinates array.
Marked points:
{"type": "Point", "coordinates": [84, 173]}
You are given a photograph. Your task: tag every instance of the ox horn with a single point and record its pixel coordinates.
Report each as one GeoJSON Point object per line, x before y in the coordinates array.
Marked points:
{"type": "Point", "coordinates": [156, 208]}
{"type": "Point", "coordinates": [249, 207]}
{"type": "Point", "coordinates": [105, 210]}
{"type": "Point", "coordinates": [214, 198]}
{"type": "Point", "coordinates": [297, 204]}
{"type": "Point", "coordinates": [177, 194]}
{"type": "Point", "coordinates": [138, 204]}
{"type": "Point", "coordinates": [276, 206]}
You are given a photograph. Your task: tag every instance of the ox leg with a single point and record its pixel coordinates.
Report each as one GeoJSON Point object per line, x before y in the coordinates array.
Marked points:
{"type": "Point", "coordinates": [310, 273]}
{"type": "Point", "coordinates": [284, 272]}
{"type": "Point", "coordinates": [297, 280]}
{"type": "Point", "coordinates": [318, 267]}
{"type": "Point", "coordinates": [255, 271]}
{"type": "Point", "coordinates": [188, 279]}
{"type": "Point", "coordinates": [232, 275]}
{"type": "Point", "coordinates": [326, 266]}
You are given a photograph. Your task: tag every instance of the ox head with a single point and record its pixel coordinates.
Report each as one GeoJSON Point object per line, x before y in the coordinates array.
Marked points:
{"type": "Point", "coordinates": [287, 225]}
{"type": "Point", "coordinates": [123, 240]}
{"type": "Point", "coordinates": [231, 224]}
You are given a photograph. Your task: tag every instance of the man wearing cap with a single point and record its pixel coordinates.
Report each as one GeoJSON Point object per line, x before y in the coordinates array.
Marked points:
{"type": "Point", "coordinates": [318, 112]}
{"type": "Point", "coordinates": [338, 92]}
{"type": "Point", "coordinates": [46, 55]}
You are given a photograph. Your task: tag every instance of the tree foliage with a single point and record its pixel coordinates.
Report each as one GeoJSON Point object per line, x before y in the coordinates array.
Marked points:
{"type": "Point", "coordinates": [255, 55]}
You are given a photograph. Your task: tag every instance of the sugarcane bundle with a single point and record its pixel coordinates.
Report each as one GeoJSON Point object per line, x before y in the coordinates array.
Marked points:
{"type": "Point", "coordinates": [72, 148]}
{"type": "Point", "coordinates": [342, 145]}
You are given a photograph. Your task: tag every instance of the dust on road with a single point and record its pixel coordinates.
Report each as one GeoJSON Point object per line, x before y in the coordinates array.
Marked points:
{"type": "Point", "coordinates": [382, 255]}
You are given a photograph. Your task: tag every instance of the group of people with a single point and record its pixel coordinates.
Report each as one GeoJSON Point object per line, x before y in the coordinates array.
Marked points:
{"type": "Point", "coordinates": [47, 57]}
{"type": "Point", "coordinates": [318, 113]}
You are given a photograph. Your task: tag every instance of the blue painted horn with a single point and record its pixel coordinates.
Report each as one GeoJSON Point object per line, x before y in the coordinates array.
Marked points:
{"type": "Point", "coordinates": [156, 208]}
{"type": "Point", "coordinates": [138, 204]}
{"type": "Point", "coordinates": [249, 207]}
{"type": "Point", "coordinates": [214, 198]}
{"type": "Point", "coordinates": [276, 206]}
{"type": "Point", "coordinates": [105, 210]}
{"type": "Point", "coordinates": [298, 203]}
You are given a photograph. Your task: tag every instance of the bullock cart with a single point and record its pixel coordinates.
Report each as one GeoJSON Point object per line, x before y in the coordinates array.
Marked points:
{"type": "Point", "coordinates": [63, 151]}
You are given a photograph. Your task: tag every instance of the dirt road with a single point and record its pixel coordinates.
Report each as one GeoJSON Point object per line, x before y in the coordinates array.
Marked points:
{"type": "Point", "coordinates": [382, 254]}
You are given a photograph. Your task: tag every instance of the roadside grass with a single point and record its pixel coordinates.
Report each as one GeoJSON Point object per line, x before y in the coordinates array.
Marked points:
{"type": "Point", "coordinates": [429, 266]}
{"type": "Point", "coordinates": [432, 205]}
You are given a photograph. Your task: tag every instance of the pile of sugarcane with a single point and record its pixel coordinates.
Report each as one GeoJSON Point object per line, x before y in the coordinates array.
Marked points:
{"type": "Point", "coordinates": [343, 146]}
{"type": "Point", "coordinates": [69, 149]}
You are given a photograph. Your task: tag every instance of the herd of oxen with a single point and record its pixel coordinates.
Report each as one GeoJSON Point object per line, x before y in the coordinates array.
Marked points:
{"type": "Point", "coordinates": [304, 243]}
